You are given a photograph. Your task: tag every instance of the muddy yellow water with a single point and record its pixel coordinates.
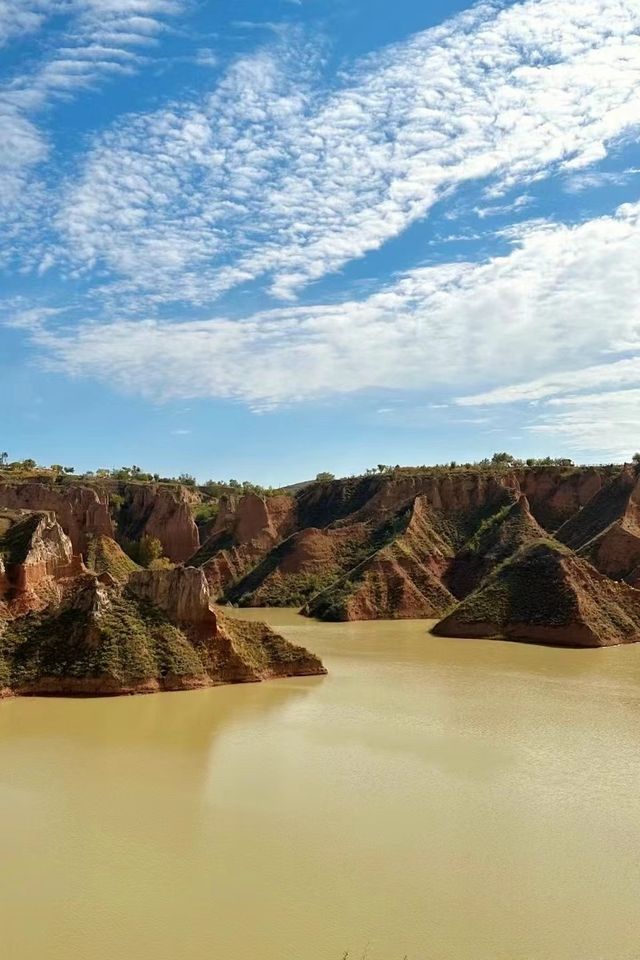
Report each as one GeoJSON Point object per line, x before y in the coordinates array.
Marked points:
{"type": "Point", "coordinates": [441, 799]}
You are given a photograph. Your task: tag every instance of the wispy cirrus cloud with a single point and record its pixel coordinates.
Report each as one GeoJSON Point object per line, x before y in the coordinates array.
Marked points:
{"type": "Point", "coordinates": [20, 18]}
{"type": "Point", "coordinates": [598, 425]}
{"type": "Point", "coordinates": [94, 40]}
{"type": "Point", "coordinates": [594, 179]}
{"type": "Point", "coordinates": [562, 294]}
{"type": "Point", "coordinates": [278, 175]}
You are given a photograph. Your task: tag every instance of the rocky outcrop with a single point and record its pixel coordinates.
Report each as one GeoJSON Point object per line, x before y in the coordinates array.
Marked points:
{"type": "Point", "coordinates": [401, 578]}
{"type": "Point", "coordinates": [80, 510]}
{"type": "Point", "coordinates": [458, 495]}
{"type": "Point", "coordinates": [158, 632]}
{"type": "Point", "coordinates": [301, 566]}
{"type": "Point", "coordinates": [163, 512]}
{"type": "Point", "coordinates": [182, 593]}
{"type": "Point", "coordinates": [36, 559]}
{"type": "Point", "coordinates": [247, 528]}
{"type": "Point", "coordinates": [546, 594]}
{"type": "Point", "coordinates": [65, 629]}
{"type": "Point", "coordinates": [333, 549]}
{"type": "Point", "coordinates": [400, 544]}
{"type": "Point", "coordinates": [607, 531]}
{"type": "Point", "coordinates": [496, 539]}
{"type": "Point", "coordinates": [555, 494]}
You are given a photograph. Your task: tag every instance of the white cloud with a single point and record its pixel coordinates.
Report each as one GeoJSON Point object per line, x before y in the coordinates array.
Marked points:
{"type": "Point", "coordinates": [583, 378]}
{"type": "Point", "coordinates": [500, 209]}
{"type": "Point", "coordinates": [563, 295]}
{"type": "Point", "coordinates": [600, 425]}
{"type": "Point", "coordinates": [19, 17]}
{"type": "Point", "coordinates": [275, 176]}
{"type": "Point", "coordinates": [96, 39]}
{"type": "Point", "coordinates": [593, 179]}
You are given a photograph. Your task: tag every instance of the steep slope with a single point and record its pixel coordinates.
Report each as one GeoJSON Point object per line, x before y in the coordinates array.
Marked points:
{"type": "Point", "coordinates": [272, 571]}
{"type": "Point", "coordinates": [159, 632]}
{"type": "Point", "coordinates": [546, 594]}
{"type": "Point", "coordinates": [496, 539]}
{"type": "Point", "coordinates": [398, 543]}
{"type": "Point", "coordinates": [36, 558]}
{"type": "Point", "coordinates": [607, 530]}
{"type": "Point", "coordinates": [106, 558]}
{"type": "Point", "coordinates": [402, 576]}
{"type": "Point", "coordinates": [557, 494]}
{"type": "Point", "coordinates": [163, 512]}
{"type": "Point", "coordinates": [301, 566]}
{"type": "Point", "coordinates": [247, 529]}
{"type": "Point", "coordinates": [79, 509]}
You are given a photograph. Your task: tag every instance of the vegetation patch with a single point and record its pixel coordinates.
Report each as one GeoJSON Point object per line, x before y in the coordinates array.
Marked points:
{"type": "Point", "coordinates": [104, 555]}
{"type": "Point", "coordinates": [288, 590]}
{"type": "Point", "coordinates": [127, 643]}
{"type": "Point", "coordinates": [529, 587]}
{"type": "Point", "coordinates": [16, 542]}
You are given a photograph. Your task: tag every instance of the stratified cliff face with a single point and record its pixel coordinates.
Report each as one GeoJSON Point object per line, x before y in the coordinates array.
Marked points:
{"type": "Point", "coordinates": [36, 559]}
{"type": "Point", "coordinates": [557, 495]}
{"type": "Point", "coordinates": [402, 544]}
{"type": "Point", "coordinates": [607, 531]}
{"type": "Point", "coordinates": [546, 594]}
{"type": "Point", "coordinates": [163, 512]}
{"type": "Point", "coordinates": [402, 578]}
{"type": "Point", "coordinates": [83, 512]}
{"type": "Point", "coordinates": [182, 593]}
{"type": "Point", "coordinates": [80, 510]}
{"type": "Point", "coordinates": [247, 528]}
{"type": "Point", "coordinates": [395, 545]}
{"type": "Point", "coordinates": [118, 629]}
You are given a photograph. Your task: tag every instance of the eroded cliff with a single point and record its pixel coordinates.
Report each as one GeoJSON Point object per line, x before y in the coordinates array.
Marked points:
{"type": "Point", "coordinates": [65, 629]}
{"type": "Point", "coordinates": [546, 594]}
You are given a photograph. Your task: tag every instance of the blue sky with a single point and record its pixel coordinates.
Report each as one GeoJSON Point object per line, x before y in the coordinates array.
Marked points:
{"type": "Point", "coordinates": [267, 239]}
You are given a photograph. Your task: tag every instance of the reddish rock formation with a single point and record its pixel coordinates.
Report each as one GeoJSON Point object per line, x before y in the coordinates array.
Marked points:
{"type": "Point", "coordinates": [395, 545]}
{"type": "Point", "coordinates": [400, 579]}
{"type": "Point", "coordinates": [183, 593]}
{"type": "Point", "coordinates": [607, 531]}
{"type": "Point", "coordinates": [327, 539]}
{"type": "Point", "coordinates": [163, 512]}
{"type": "Point", "coordinates": [546, 594]}
{"type": "Point", "coordinates": [157, 632]}
{"type": "Point", "coordinates": [80, 510]}
{"type": "Point", "coordinates": [556, 495]}
{"type": "Point", "coordinates": [36, 557]}
{"type": "Point", "coordinates": [247, 528]}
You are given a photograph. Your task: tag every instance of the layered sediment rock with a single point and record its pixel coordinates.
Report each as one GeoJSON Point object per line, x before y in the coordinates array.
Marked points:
{"type": "Point", "coordinates": [118, 629]}
{"type": "Point", "coordinates": [163, 512]}
{"type": "Point", "coordinates": [247, 528]}
{"type": "Point", "coordinates": [607, 530]}
{"type": "Point", "coordinates": [402, 544]}
{"type": "Point", "coordinates": [158, 633]}
{"type": "Point", "coordinates": [36, 558]}
{"type": "Point", "coordinates": [402, 578]}
{"type": "Point", "coordinates": [80, 510]}
{"type": "Point", "coordinates": [546, 594]}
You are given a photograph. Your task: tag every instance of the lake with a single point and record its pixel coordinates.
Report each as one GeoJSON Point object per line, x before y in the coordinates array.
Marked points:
{"type": "Point", "coordinates": [435, 798]}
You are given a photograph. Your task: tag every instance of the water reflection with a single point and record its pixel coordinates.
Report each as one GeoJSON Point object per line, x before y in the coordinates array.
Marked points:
{"type": "Point", "coordinates": [466, 800]}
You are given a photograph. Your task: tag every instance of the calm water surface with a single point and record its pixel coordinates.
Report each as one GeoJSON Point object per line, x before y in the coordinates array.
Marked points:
{"type": "Point", "coordinates": [444, 799]}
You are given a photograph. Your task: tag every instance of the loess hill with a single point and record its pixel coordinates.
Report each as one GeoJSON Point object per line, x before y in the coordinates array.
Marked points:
{"type": "Point", "coordinates": [408, 543]}
{"type": "Point", "coordinates": [109, 627]}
